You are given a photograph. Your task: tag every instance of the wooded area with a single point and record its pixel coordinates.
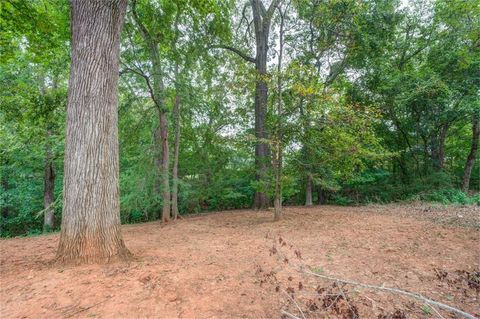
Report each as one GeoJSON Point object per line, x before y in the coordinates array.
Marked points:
{"type": "Point", "coordinates": [117, 112]}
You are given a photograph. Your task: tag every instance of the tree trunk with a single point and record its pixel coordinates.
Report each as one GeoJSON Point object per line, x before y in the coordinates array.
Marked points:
{"type": "Point", "coordinates": [5, 187]}
{"type": "Point", "coordinates": [49, 187]}
{"type": "Point", "coordinates": [279, 140]}
{"type": "Point", "coordinates": [161, 135]}
{"type": "Point", "coordinates": [176, 119]}
{"type": "Point", "coordinates": [438, 148]}
{"type": "Point", "coordinates": [262, 149]}
{"type": "Point", "coordinates": [261, 20]}
{"type": "Point", "coordinates": [176, 152]}
{"type": "Point", "coordinates": [467, 171]}
{"type": "Point", "coordinates": [320, 196]}
{"type": "Point", "coordinates": [91, 230]}
{"type": "Point", "coordinates": [308, 192]}
{"type": "Point", "coordinates": [164, 167]}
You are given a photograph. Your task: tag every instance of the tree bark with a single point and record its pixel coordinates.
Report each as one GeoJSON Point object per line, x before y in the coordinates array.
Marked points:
{"type": "Point", "coordinates": [176, 119]}
{"type": "Point", "coordinates": [49, 186]}
{"type": "Point", "coordinates": [467, 171]}
{"type": "Point", "coordinates": [279, 140]}
{"type": "Point", "coordinates": [164, 167]}
{"type": "Point", "coordinates": [308, 192]}
{"type": "Point", "coordinates": [91, 230]}
{"type": "Point", "coordinates": [261, 21]}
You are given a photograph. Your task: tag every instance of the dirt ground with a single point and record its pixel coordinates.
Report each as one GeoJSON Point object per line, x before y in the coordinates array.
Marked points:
{"type": "Point", "coordinates": [241, 265]}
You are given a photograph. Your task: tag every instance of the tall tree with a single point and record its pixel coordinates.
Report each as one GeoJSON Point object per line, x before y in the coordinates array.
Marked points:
{"type": "Point", "coordinates": [262, 18]}
{"type": "Point", "coordinates": [176, 119]}
{"type": "Point", "coordinates": [152, 38]}
{"type": "Point", "coordinates": [278, 153]}
{"type": "Point", "coordinates": [91, 208]}
{"type": "Point", "coordinates": [467, 171]}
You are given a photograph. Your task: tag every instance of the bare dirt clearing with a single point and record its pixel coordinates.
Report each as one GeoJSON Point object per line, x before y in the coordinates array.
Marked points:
{"type": "Point", "coordinates": [232, 265]}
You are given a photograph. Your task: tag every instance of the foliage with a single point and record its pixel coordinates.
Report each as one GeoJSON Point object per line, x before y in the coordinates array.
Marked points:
{"type": "Point", "coordinates": [377, 99]}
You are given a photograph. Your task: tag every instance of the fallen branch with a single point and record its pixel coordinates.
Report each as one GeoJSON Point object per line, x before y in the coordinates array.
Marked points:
{"type": "Point", "coordinates": [288, 314]}
{"type": "Point", "coordinates": [398, 291]}
{"type": "Point", "coordinates": [296, 304]}
{"type": "Point", "coordinates": [392, 290]}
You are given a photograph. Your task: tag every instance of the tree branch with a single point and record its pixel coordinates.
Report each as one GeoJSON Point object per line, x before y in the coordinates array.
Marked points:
{"type": "Point", "coordinates": [147, 81]}
{"type": "Point", "coordinates": [241, 54]}
{"type": "Point", "coordinates": [143, 30]}
{"type": "Point", "coordinates": [268, 15]}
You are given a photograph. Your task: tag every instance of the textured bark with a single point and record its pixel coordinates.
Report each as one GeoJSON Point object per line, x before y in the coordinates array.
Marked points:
{"type": "Point", "coordinates": [49, 187]}
{"type": "Point", "coordinates": [467, 171]}
{"type": "Point", "coordinates": [261, 21]}
{"type": "Point", "coordinates": [164, 167]}
{"type": "Point", "coordinates": [308, 192]}
{"type": "Point", "coordinates": [91, 229]}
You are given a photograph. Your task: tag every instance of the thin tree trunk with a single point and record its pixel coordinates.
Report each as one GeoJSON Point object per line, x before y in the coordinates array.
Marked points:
{"type": "Point", "coordinates": [467, 171]}
{"type": "Point", "coordinates": [49, 186]}
{"type": "Point", "coordinates": [308, 192]}
{"type": "Point", "coordinates": [164, 167]}
{"type": "Point", "coordinates": [279, 146]}
{"type": "Point", "coordinates": [91, 229]}
{"type": "Point", "coordinates": [176, 119]}
{"type": "Point", "coordinates": [438, 148]}
{"type": "Point", "coordinates": [5, 187]}
{"type": "Point", "coordinates": [176, 152]}
{"type": "Point", "coordinates": [320, 196]}
{"type": "Point", "coordinates": [161, 135]}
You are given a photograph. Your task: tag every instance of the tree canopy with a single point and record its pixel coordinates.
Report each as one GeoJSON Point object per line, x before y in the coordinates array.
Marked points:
{"type": "Point", "coordinates": [370, 101]}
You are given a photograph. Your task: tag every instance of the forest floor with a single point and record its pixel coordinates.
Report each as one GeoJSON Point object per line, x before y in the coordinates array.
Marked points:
{"type": "Point", "coordinates": [240, 264]}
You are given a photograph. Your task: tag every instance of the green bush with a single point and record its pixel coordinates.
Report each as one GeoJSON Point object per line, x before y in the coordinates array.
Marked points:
{"type": "Point", "coordinates": [341, 200]}
{"type": "Point", "coordinates": [450, 196]}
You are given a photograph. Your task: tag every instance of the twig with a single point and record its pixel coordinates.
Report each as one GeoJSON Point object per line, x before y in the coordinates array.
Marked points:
{"type": "Point", "coordinates": [288, 314]}
{"type": "Point", "coordinates": [398, 291]}
{"type": "Point", "coordinates": [346, 300]}
{"type": "Point", "coordinates": [438, 313]}
{"type": "Point", "coordinates": [84, 309]}
{"type": "Point", "coordinates": [296, 304]}
{"type": "Point", "coordinates": [392, 290]}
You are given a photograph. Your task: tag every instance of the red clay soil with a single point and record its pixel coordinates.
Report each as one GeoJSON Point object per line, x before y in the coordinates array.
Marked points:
{"type": "Point", "coordinates": [240, 264]}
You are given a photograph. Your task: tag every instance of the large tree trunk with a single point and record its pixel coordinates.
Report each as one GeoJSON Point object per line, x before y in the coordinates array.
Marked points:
{"type": "Point", "coordinates": [308, 192]}
{"type": "Point", "coordinates": [49, 186]}
{"type": "Point", "coordinates": [467, 171]}
{"type": "Point", "coordinates": [91, 229]}
{"type": "Point", "coordinates": [261, 19]}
